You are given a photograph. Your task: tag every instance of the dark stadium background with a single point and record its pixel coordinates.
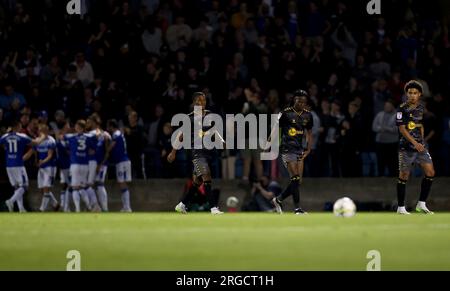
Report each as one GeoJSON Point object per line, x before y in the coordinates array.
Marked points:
{"type": "Point", "coordinates": [149, 56]}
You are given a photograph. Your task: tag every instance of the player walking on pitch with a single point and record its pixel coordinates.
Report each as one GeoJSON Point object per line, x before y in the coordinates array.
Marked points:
{"type": "Point", "coordinates": [63, 164]}
{"type": "Point", "coordinates": [117, 150]}
{"type": "Point", "coordinates": [412, 148]}
{"type": "Point", "coordinates": [101, 156]}
{"type": "Point", "coordinates": [200, 160]}
{"type": "Point", "coordinates": [294, 122]}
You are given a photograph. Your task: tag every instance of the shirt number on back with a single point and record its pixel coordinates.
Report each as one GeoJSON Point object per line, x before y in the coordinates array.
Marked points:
{"type": "Point", "coordinates": [12, 143]}
{"type": "Point", "coordinates": [81, 145]}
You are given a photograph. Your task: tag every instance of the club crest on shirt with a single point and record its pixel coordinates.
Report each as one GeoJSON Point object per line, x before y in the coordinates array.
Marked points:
{"type": "Point", "coordinates": [411, 125]}
{"type": "Point", "coordinates": [292, 132]}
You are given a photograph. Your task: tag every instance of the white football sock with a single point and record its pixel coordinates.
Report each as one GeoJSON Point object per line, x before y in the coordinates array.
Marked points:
{"type": "Point", "coordinates": [421, 204]}
{"type": "Point", "coordinates": [18, 193]}
{"type": "Point", "coordinates": [76, 199]}
{"type": "Point", "coordinates": [45, 201]}
{"type": "Point", "coordinates": [85, 198]}
{"type": "Point", "coordinates": [62, 198]}
{"type": "Point", "coordinates": [92, 197]}
{"type": "Point", "coordinates": [20, 204]}
{"type": "Point", "coordinates": [20, 199]}
{"type": "Point", "coordinates": [126, 199]}
{"type": "Point", "coordinates": [103, 197]}
{"type": "Point", "coordinates": [53, 199]}
{"type": "Point", "coordinates": [67, 200]}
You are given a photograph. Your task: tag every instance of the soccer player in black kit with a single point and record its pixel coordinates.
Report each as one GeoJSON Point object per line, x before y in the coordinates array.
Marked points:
{"type": "Point", "coordinates": [412, 147]}
{"type": "Point", "coordinates": [200, 160]}
{"type": "Point", "coordinates": [295, 123]}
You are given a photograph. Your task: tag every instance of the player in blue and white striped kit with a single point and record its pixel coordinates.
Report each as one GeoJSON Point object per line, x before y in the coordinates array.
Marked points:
{"type": "Point", "coordinates": [80, 145]}
{"type": "Point", "coordinates": [101, 157]}
{"type": "Point", "coordinates": [46, 160]}
{"type": "Point", "coordinates": [63, 164]}
{"type": "Point", "coordinates": [15, 144]}
{"type": "Point", "coordinates": [92, 167]}
{"type": "Point", "coordinates": [119, 157]}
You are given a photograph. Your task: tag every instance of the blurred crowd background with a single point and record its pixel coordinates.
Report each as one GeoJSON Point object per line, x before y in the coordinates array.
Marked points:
{"type": "Point", "coordinates": [139, 61]}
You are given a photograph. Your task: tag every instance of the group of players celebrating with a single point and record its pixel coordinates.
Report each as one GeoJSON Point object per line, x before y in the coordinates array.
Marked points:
{"type": "Point", "coordinates": [82, 157]}
{"type": "Point", "coordinates": [81, 154]}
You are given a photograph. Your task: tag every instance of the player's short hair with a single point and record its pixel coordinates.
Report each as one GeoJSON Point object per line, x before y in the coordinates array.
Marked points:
{"type": "Point", "coordinates": [43, 126]}
{"type": "Point", "coordinates": [95, 118]}
{"type": "Point", "coordinates": [413, 84]}
{"type": "Point", "coordinates": [301, 93]}
{"type": "Point", "coordinates": [112, 123]}
{"type": "Point", "coordinates": [196, 95]}
{"type": "Point", "coordinates": [16, 123]}
{"type": "Point", "coordinates": [81, 123]}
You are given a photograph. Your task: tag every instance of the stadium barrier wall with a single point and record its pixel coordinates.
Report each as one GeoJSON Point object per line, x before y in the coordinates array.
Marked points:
{"type": "Point", "coordinates": [317, 194]}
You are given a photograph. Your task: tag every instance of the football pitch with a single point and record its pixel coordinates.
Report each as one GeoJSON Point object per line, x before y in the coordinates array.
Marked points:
{"type": "Point", "coordinates": [233, 241]}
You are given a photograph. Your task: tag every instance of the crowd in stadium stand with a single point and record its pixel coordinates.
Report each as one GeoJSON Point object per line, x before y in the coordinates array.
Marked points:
{"type": "Point", "coordinates": [140, 61]}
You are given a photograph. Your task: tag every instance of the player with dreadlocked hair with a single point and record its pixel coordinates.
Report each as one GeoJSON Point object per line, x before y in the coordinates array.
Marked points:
{"type": "Point", "coordinates": [295, 123]}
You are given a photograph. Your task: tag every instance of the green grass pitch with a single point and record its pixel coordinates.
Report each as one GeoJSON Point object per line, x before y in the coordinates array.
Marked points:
{"type": "Point", "coordinates": [234, 241]}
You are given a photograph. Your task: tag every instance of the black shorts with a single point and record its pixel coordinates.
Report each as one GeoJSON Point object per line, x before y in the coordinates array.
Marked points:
{"type": "Point", "coordinates": [291, 157]}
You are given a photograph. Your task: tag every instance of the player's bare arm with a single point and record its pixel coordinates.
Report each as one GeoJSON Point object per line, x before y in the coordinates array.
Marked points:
{"type": "Point", "coordinates": [309, 141]}
{"type": "Point", "coordinates": [28, 155]}
{"type": "Point", "coordinates": [38, 140]}
{"type": "Point", "coordinates": [107, 154]}
{"type": "Point", "coordinates": [47, 159]}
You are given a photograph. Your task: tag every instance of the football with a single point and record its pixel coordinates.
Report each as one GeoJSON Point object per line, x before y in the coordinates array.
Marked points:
{"type": "Point", "coordinates": [344, 207]}
{"type": "Point", "coordinates": [232, 202]}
